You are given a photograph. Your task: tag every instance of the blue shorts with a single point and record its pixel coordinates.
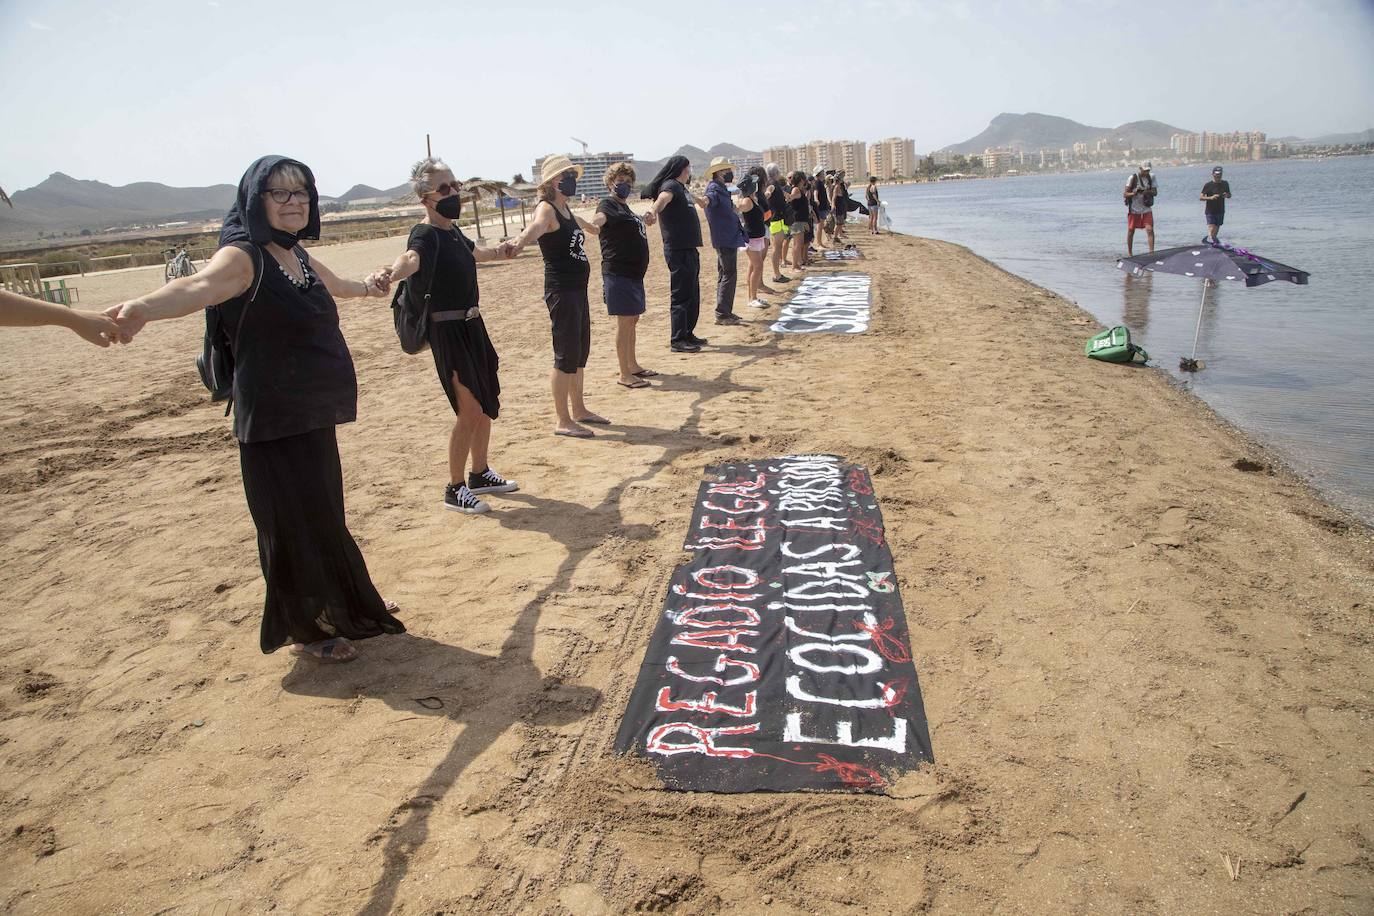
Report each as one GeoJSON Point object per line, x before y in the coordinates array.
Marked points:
{"type": "Point", "coordinates": [1214, 219]}
{"type": "Point", "coordinates": [622, 295]}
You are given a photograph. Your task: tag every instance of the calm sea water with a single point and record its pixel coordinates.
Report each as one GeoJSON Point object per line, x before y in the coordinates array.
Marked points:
{"type": "Point", "coordinates": [1293, 365]}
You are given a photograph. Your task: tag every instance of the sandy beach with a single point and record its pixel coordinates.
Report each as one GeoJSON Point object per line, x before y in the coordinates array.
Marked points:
{"type": "Point", "coordinates": [1144, 648]}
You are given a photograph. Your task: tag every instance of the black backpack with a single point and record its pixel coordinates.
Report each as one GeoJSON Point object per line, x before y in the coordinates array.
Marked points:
{"type": "Point", "coordinates": [411, 312]}
{"type": "Point", "coordinates": [216, 360]}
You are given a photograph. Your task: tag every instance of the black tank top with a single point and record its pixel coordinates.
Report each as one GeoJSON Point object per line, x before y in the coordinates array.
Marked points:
{"type": "Point", "coordinates": [565, 260]}
{"type": "Point", "coordinates": [801, 210]}
{"type": "Point", "coordinates": [292, 370]}
{"type": "Point", "coordinates": [753, 220]}
{"type": "Point", "coordinates": [777, 202]}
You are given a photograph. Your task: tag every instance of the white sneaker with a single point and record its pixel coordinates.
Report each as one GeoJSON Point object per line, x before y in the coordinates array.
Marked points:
{"type": "Point", "coordinates": [758, 303]}
{"type": "Point", "coordinates": [460, 499]}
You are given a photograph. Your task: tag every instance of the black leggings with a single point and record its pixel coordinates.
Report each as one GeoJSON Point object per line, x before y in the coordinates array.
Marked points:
{"type": "Point", "coordinates": [684, 296]}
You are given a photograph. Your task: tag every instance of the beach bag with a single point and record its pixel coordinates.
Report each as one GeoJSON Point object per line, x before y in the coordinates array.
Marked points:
{"type": "Point", "coordinates": [1114, 346]}
{"type": "Point", "coordinates": [411, 313]}
{"type": "Point", "coordinates": [216, 360]}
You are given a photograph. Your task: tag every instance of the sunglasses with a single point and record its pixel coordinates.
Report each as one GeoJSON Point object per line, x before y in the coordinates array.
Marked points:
{"type": "Point", "coordinates": [447, 188]}
{"type": "Point", "coordinates": [284, 195]}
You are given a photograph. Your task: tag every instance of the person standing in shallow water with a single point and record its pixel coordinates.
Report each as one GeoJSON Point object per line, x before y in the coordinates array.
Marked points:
{"type": "Point", "coordinates": [293, 384]}
{"type": "Point", "coordinates": [1214, 194]}
{"type": "Point", "coordinates": [566, 272]}
{"type": "Point", "coordinates": [444, 261]}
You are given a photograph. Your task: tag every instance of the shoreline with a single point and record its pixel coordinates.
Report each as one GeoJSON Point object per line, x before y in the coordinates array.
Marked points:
{"type": "Point", "coordinates": [1134, 656]}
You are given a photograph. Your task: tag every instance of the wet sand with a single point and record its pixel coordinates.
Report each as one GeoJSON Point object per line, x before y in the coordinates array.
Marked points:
{"type": "Point", "coordinates": [1142, 646]}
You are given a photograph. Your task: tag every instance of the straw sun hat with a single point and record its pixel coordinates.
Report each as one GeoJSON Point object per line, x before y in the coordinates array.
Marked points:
{"type": "Point", "coordinates": [718, 164]}
{"type": "Point", "coordinates": [555, 166]}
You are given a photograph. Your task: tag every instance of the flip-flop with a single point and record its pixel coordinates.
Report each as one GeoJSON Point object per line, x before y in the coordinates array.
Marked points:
{"type": "Point", "coordinates": [637, 383]}
{"type": "Point", "coordinates": [575, 433]}
{"type": "Point", "coordinates": [645, 373]}
{"type": "Point", "coordinates": [597, 421]}
{"type": "Point", "coordinates": [326, 655]}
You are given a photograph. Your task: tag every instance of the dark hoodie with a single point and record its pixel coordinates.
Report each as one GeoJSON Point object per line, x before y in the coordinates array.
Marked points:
{"type": "Point", "coordinates": [292, 369]}
{"type": "Point", "coordinates": [247, 218]}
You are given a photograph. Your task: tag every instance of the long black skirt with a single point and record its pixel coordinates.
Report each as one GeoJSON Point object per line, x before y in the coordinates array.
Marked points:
{"type": "Point", "coordinates": [463, 347]}
{"type": "Point", "coordinates": [317, 582]}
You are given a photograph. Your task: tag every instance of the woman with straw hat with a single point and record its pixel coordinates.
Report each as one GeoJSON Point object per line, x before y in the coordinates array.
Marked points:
{"type": "Point", "coordinates": [566, 272]}
{"type": "Point", "coordinates": [727, 236]}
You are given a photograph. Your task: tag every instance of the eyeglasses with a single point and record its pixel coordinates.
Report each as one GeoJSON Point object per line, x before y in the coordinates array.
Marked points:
{"type": "Point", "coordinates": [447, 188]}
{"type": "Point", "coordinates": [283, 195]}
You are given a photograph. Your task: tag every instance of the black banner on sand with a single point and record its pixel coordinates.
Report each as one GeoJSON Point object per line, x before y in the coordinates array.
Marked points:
{"type": "Point", "coordinates": [781, 661]}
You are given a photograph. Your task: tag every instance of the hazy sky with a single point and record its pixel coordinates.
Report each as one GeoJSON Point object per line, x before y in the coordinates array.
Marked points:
{"type": "Point", "coordinates": [189, 92]}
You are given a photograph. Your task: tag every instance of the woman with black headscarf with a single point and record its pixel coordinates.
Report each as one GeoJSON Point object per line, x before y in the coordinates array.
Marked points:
{"type": "Point", "coordinates": [293, 384]}
{"type": "Point", "coordinates": [675, 208]}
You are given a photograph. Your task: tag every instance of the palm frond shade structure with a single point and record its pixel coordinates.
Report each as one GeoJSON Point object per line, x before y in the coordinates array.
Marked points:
{"type": "Point", "coordinates": [1213, 264]}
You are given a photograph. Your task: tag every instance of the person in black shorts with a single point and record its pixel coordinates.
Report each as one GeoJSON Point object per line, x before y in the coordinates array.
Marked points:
{"type": "Point", "coordinates": [443, 261]}
{"type": "Point", "coordinates": [624, 261]}
{"type": "Point", "coordinates": [1215, 194]}
{"type": "Point", "coordinates": [566, 272]}
{"type": "Point", "coordinates": [820, 207]}
{"type": "Point", "coordinates": [675, 206]}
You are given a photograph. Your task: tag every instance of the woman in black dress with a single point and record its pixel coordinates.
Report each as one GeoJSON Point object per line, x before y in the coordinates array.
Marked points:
{"type": "Point", "coordinates": [566, 272]}
{"type": "Point", "coordinates": [446, 263]}
{"type": "Point", "coordinates": [293, 384]}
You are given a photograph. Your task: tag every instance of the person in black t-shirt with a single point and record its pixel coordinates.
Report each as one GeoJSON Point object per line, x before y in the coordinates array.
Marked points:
{"type": "Point", "coordinates": [1215, 193]}
{"type": "Point", "coordinates": [624, 261]}
{"type": "Point", "coordinates": [676, 208]}
{"type": "Point", "coordinates": [444, 261]}
{"type": "Point", "coordinates": [566, 271]}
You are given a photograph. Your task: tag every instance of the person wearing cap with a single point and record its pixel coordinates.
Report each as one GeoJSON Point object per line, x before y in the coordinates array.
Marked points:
{"type": "Point", "coordinates": [1214, 193]}
{"type": "Point", "coordinates": [1139, 196]}
{"type": "Point", "coordinates": [727, 236]}
{"type": "Point", "coordinates": [566, 271]}
{"type": "Point", "coordinates": [756, 233]}
{"type": "Point", "coordinates": [674, 206]}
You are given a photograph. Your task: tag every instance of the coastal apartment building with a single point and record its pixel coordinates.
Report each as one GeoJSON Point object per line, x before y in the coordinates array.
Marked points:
{"type": "Point", "coordinates": [1237, 144]}
{"type": "Point", "coordinates": [850, 155]}
{"type": "Point", "coordinates": [892, 157]}
{"type": "Point", "coordinates": [594, 166]}
{"type": "Point", "coordinates": [999, 160]}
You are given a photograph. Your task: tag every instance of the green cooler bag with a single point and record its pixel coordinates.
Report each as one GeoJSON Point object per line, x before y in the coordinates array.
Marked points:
{"type": "Point", "coordinates": [1114, 346]}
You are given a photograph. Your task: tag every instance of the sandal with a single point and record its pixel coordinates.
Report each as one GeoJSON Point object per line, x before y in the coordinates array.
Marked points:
{"type": "Point", "coordinates": [327, 651]}
{"type": "Point", "coordinates": [637, 383]}
{"type": "Point", "coordinates": [645, 373]}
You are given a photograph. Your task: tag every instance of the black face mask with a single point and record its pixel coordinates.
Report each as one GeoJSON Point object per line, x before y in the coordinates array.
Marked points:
{"type": "Point", "coordinates": [285, 239]}
{"type": "Point", "coordinates": [727, 177]}
{"type": "Point", "coordinates": [623, 189]}
{"type": "Point", "coordinates": [568, 185]}
{"type": "Point", "coordinates": [449, 207]}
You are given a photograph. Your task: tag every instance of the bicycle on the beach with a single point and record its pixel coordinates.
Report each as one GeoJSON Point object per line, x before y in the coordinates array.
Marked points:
{"type": "Point", "coordinates": [179, 263]}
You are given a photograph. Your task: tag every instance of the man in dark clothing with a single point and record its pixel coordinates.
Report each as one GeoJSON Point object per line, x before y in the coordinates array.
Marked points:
{"type": "Point", "coordinates": [1215, 193]}
{"type": "Point", "coordinates": [674, 206]}
{"type": "Point", "coordinates": [727, 236]}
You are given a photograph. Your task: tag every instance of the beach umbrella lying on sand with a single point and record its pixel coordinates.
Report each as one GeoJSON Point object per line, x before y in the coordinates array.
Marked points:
{"type": "Point", "coordinates": [1213, 263]}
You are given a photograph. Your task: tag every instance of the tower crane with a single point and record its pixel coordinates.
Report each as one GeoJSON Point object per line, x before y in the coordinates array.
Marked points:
{"type": "Point", "coordinates": [583, 142]}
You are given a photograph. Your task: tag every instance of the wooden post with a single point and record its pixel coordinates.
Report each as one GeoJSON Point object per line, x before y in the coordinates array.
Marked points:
{"type": "Point", "coordinates": [477, 214]}
{"type": "Point", "coordinates": [428, 152]}
{"type": "Point", "coordinates": [523, 224]}
{"type": "Point", "coordinates": [501, 200]}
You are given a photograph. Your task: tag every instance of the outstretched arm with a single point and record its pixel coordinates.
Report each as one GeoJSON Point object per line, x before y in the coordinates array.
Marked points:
{"type": "Point", "coordinates": [544, 221]}
{"type": "Point", "coordinates": [374, 284]}
{"type": "Point", "coordinates": [23, 312]}
{"type": "Point", "coordinates": [229, 273]}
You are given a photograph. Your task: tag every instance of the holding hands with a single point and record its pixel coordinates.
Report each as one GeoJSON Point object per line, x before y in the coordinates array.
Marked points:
{"type": "Point", "coordinates": [650, 217]}
{"type": "Point", "coordinates": [379, 279]}
{"type": "Point", "coordinates": [128, 318]}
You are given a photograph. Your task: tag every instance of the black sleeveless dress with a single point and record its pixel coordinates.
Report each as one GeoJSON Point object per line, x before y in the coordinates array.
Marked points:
{"type": "Point", "coordinates": [293, 382]}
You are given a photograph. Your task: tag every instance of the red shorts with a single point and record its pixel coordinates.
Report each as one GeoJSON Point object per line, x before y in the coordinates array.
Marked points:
{"type": "Point", "coordinates": [1140, 220]}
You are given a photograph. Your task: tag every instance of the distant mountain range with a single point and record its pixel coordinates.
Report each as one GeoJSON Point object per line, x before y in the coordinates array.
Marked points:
{"type": "Point", "coordinates": [1033, 131]}
{"type": "Point", "coordinates": [1364, 136]}
{"type": "Point", "coordinates": [700, 158]}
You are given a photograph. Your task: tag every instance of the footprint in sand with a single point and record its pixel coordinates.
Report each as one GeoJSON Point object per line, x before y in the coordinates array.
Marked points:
{"type": "Point", "coordinates": [1173, 524]}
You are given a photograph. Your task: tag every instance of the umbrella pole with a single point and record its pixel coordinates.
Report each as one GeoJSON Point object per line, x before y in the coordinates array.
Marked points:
{"type": "Point", "coordinates": [1190, 363]}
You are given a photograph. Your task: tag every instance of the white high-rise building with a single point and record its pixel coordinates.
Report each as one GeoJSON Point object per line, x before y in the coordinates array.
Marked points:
{"type": "Point", "coordinates": [594, 166]}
